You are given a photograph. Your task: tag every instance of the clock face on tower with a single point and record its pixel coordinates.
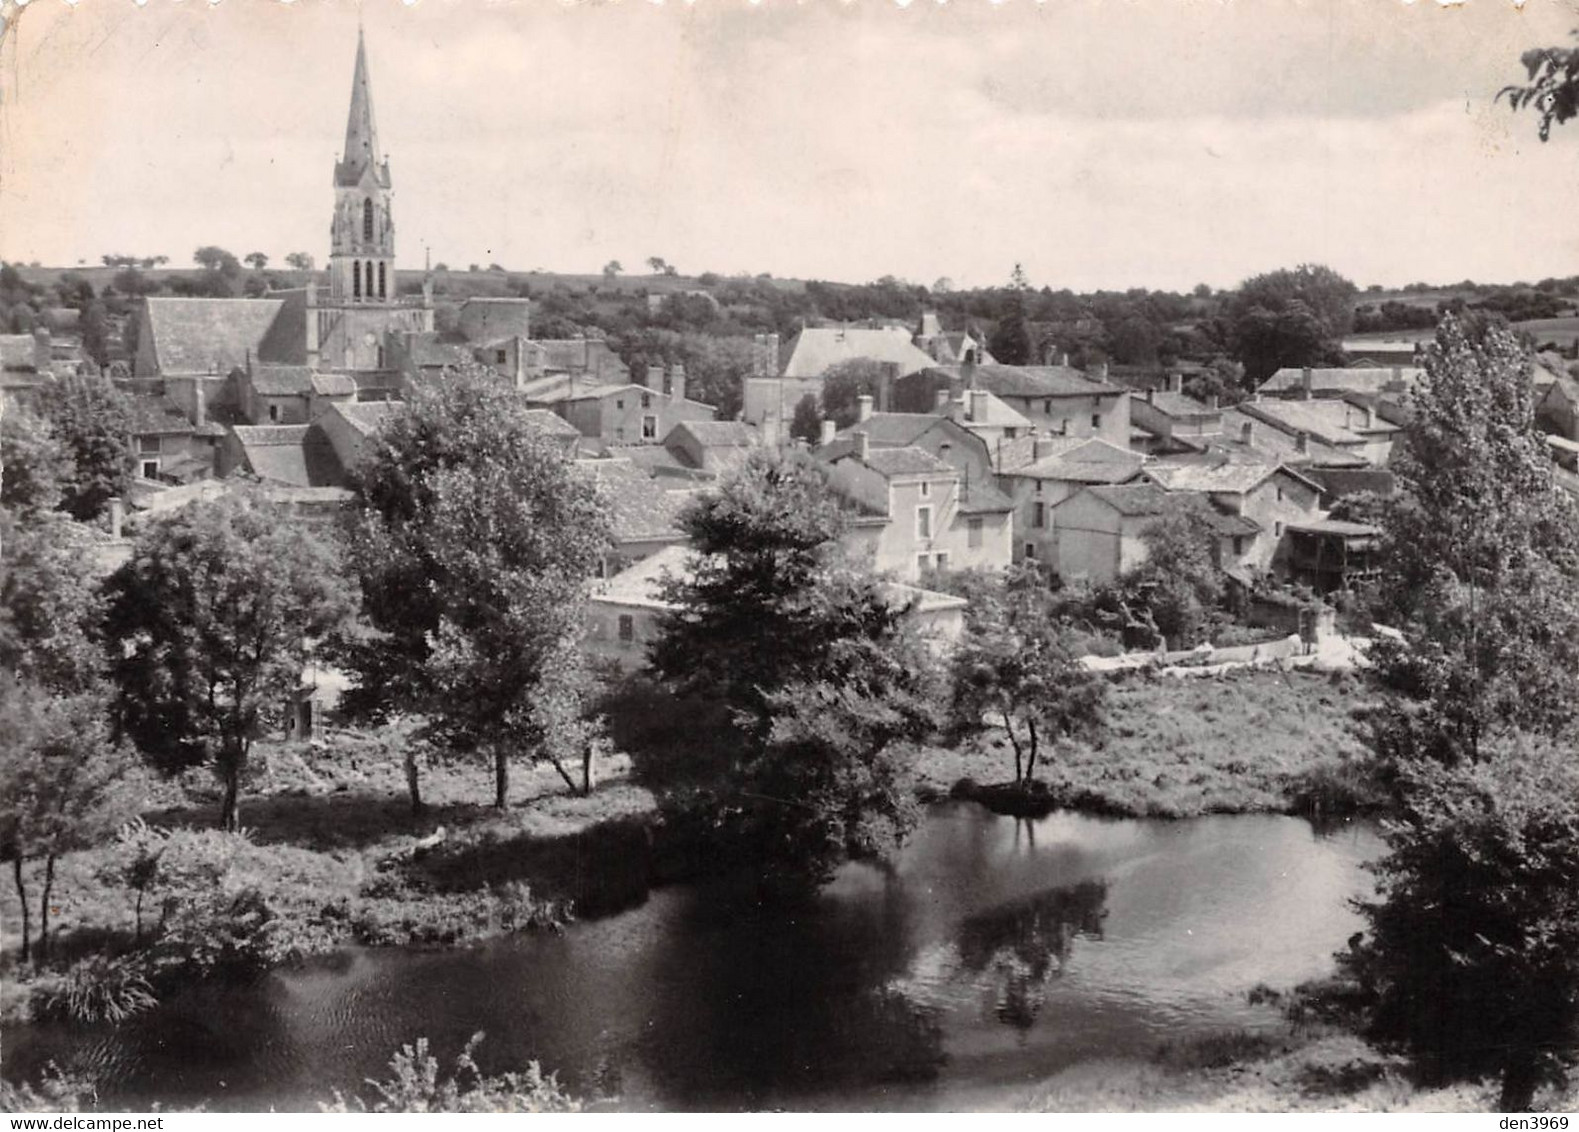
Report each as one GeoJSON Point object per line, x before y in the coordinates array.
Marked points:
{"type": "Point", "coordinates": [370, 338]}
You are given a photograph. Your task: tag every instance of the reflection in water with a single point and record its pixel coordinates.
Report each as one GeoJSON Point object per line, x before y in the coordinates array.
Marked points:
{"type": "Point", "coordinates": [1026, 944]}
{"type": "Point", "coordinates": [992, 954]}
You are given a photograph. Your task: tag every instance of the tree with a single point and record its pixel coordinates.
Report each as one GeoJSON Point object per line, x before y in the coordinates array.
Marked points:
{"type": "Point", "coordinates": [1011, 342]}
{"type": "Point", "coordinates": [788, 687]}
{"type": "Point", "coordinates": [845, 384]}
{"type": "Point", "coordinates": [256, 260]}
{"type": "Point", "coordinates": [472, 550]}
{"type": "Point", "coordinates": [92, 419]}
{"type": "Point", "coordinates": [299, 261]}
{"type": "Point", "coordinates": [66, 786]}
{"type": "Point", "coordinates": [806, 424]}
{"type": "Point", "coordinates": [95, 326]}
{"type": "Point", "coordinates": [49, 605]}
{"type": "Point", "coordinates": [612, 268]}
{"type": "Point", "coordinates": [1014, 672]}
{"type": "Point", "coordinates": [218, 260]}
{"type": "Point", "coordinates": [1291, 318]}
{"type": "Point", "coordinates": [1178, 588]}
{"type": "Point", "coordinates": [33, 463]}
{"type": "Point", "coordinates": [1553, 88]}
{"type": "Point", "coordinates": [658, 264]}
{"type": "Point", "coordinates": [1471, 961]}
{"type": "Point", "coordinates": [1480, 559]}
{"type": "Point", "coordinates": [210, 626]}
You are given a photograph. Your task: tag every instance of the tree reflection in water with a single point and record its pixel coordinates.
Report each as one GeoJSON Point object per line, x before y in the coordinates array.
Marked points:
{"type": "Point", "coordinates": [1026, 944]}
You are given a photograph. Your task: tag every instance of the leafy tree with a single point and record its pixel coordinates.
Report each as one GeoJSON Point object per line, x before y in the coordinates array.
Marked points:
{"type": "Point", "coordinates": [1553, 89]}
{"type": "Point", "coordinates": [1014, 672]}
{"type": "Point", "coordinates": [612, 268]}
{"type": "Point", "coordinates": [256, 260]}
{"type": "Point", "coordinates": [1471, 961]}
{"type": "Point", "coordinates": [132, 282]}
{"type": "Point", "coordinates": [217, 260]}
{"type": "Point", "coordinates": [1011, 341]}
{"type": "Point", "coordinates": [472, 552]}
{"type": "Point", "coordinates": [806, 424]}
{"type": "Point", "coordinates": [791, 683]}
{"type": "Point", "coordinates": [33, 463]}
{"type": "Point", "coordinates": [96, 333]}
{"type": "Point", "coordinates": [1480, 560]}
{"type": "Point", "coordinates": [1291, 318]}
{"type": "Point", "coordinates": [66, 785]}
{"type": "Point", "coordinates": [658, 264]}
{"type": "Point", "coordinates": [1178, 588]}
{"type": "Point", "coordinates": [210, 626]}
{"type": "Point", "coordinates": [49, 605]}
{"type": "Point", "coordinates": [92, 420]}
{"type": "Point", "coordinates": [300, 261]}
{"type": "Point", "coordinates": [843, 386]}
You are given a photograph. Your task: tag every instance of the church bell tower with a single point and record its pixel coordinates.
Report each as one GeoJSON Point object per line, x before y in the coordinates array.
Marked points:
{"type": "Point", "coordinates": [362, 237]}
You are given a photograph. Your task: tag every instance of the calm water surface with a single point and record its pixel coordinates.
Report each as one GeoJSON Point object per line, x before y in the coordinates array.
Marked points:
{"type": "Point", "coordinates": [995, 953]}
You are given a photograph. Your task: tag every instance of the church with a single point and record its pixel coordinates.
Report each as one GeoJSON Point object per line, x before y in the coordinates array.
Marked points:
{"type": "Point", "coordinates": [238, 353]}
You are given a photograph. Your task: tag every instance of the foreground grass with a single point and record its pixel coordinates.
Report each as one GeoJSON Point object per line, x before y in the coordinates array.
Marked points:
{"type": "Point", "coordinates": [1244, 742]}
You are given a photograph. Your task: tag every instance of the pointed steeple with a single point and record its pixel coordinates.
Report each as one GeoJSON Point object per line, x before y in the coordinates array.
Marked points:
{"type": "Point", "coordinates": [361, 134]}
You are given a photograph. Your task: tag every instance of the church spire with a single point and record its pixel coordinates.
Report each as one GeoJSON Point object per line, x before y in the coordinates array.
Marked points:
{"type": "Point", "coordinates": [361, 135]}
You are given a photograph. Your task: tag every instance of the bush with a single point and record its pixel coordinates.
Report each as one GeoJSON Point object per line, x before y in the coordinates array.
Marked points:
{"type": "Point", "coordinates": [100, 988]}
{"type": "Point", "coordinates": [415, 1086]}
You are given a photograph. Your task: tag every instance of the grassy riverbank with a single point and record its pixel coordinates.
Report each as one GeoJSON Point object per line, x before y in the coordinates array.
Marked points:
{"type": "Point", "coordinates": [1244, 742]}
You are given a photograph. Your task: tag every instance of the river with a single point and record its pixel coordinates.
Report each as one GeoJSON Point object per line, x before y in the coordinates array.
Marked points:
{"type": "Point", "coordinates": [994, 953]}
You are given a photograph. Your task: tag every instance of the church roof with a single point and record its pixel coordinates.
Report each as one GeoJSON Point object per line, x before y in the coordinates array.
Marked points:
{"type": "Point", "coordinates": [361, 135]}
{"type": "Point", "coordinates": [210, 336]}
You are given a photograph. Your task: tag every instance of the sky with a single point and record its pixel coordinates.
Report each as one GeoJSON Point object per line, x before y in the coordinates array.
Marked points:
{"type": "Point", "coordinates": [1100, 143]}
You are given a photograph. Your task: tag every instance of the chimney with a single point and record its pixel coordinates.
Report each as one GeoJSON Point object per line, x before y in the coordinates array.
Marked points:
{"type": "Point", "coordinates": [940, 402]}
{"type": "Point", "coordinates": [759, 353]}
{"type": "Point", "coordinates": [771, 352]}
{"type": "Point", "coordinates": [828, 429]}
{"type": "Point", "coordinates": [1063, 359]}
{"type": "Point", "coordinates": [117, 515]}
{"type": "Point", "coordinates": [1175, 383]}
{"type": "Point", "coordinates": [1036, 449]}
{"type": "Point", "coordinates": [1211, 401]}
{"type": "Point", "coordinates": [655, 378]}
{"type": "Point", "coordinates": [677, 382]}
{"type": "Point", "coordinates": [967, 371]}
{"type": "Point", "coordinates": [863, 443]}
{"type": "Point", "coordinates": [956, 407]}
{"type": "Point", "coordinates": [199, 404]}
{"type": "Point", "coordinates": [1102, 372]}
{"type": "Point", "coordinates": [863, 407]}
{"type": "Point", "coordinates": [1301, 441]}
{"type": "Point", "coordinates": [978, 405]}
{"type": "Point", "coordinates": [1370, 417]}
{"type": "Point", "coordinates": [1151, 395]}
{"type": "Point", "coordinates": [1247, 434]}
{"type": "Point", "coordinates": [1304, 383]}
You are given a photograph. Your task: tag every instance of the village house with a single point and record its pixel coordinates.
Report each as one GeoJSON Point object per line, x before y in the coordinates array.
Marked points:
{"type": "Point", "coordinates": [1271, 496]}
{"type": "Point", "coordinates": [299, 455]}
{"type": "Point", "coordinates": [1557, 406]}
{"type": "Point", "coordinates": [817, 349]}
{"type": "Point", "coordinates": [715, 448]}
{"type": "Point", "coordinates": [1337, 423]}
{"type": "Point", "coordinates": [1053, 399]}
{"type": "Point", "coordinates": [624, 612]}
{"type": "Point", "coordinates": [1057, 468]}
{"type": "Point", "coordinates": [1308, 382]}
{"type": "Point", "coordinates": [949, 347]}
{"type": "Point", "coordinates": [913, 513]}
{"type": "Point", "coordinates": [946, 437]}
{"type": "Point", "coordinates": [167, 445]}
{"type": "Point", "coordinates": [1101, 530]}
{"type": "Point", "coordinates": [1328, 554]}
{"type": "Point", "coordinates": [644, 514]}
{"type": "Point", "coordinates": [1164, 420]}
{"type": "Point", "coordinates": [633, 414]}
{"type": "Point", "coordinates": [24, 366]}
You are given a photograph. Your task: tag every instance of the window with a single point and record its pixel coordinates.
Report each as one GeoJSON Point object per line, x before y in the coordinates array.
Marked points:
{"type": "Point", "coordinates": [973, 533]}
{"type": "Point", "coordinates": [921, 563]}
{"type": "Point", "coordinates": [1239, 545]}
{"type": "Point", "coordinates": [356, 279]}
{"type": "Point", "coordinates": [501, 356]}
{"type": "Point", "coordinates": [649, 427]}
{"type": "Point", "coordinates": [147, 444]}
{"type": "Point", "coordinates": [1038, 487]}
{"type": "Point", "coordinates": [274, 412]}
{"type": "Point", "coordinates": [926, 488]}
{"type": "Point", "coordinates": [1039, 514]}
{"type": "Point", "coordinates": [381, 291]}
{"type": "Point", "coordinates": [1280, 495]}
{"type": "Point", "coordinates": [942, 560]}
{"type": "Point", "coordinates": [367, 221]}
{"type": "Point", "coordinates": [627, 628]}
{"type": "Point", "coordinates": [646, 400]}
{"type": "Point", "coordinates": [150, 469]}
{"type": "Point", "coordinates": [1047, 406]}
{"type": "Point", "coordinates": [381, 357]}
{"type": "Point", "coordinates": [1096, 420]}
{"type": "Point", "coordinates": [369, 279]}
{"type": "Point", "coordinates": [1277, 529]}
{"type": "Point", "coordinates": [923, 522]}
{"type": "Point", "coordinates": [1030, 550]}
